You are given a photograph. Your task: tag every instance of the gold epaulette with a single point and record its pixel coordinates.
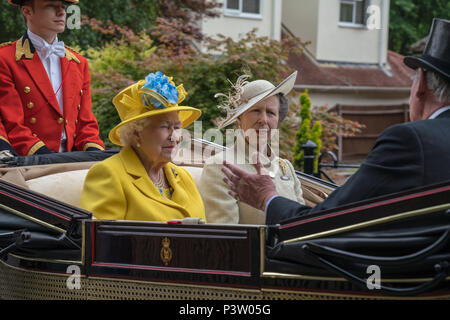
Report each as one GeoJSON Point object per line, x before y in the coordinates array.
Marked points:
{"type": "Point", "coordinates": [72, 49]}
{"type": "Point", "coordinates": [70, 55]}
{"type": "Point", "coordinates": [6, 44]}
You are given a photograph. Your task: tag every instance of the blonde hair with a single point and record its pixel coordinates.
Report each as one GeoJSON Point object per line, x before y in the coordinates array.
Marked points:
{"type": "Point", "coordinates": [127, 131]}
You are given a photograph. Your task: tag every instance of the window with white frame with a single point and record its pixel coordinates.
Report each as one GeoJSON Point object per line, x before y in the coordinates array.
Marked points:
{"type": "Point", "coordinates": [243, 8]}
{"type": "Point", "coordinates": [353, 12]}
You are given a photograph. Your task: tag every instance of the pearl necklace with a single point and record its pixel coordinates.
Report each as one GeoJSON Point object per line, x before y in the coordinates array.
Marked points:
{"type": "Point", "coordinates": [160, 183]}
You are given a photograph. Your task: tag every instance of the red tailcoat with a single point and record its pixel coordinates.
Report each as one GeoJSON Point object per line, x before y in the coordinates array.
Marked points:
{"type": "Point", "coordinates": [29, 110]}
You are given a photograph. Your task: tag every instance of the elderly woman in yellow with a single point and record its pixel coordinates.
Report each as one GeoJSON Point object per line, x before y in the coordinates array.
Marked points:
{"type": "Point", "coordinates": [141, 183]}
{"type": "Point", "coordinates": [258, 107]}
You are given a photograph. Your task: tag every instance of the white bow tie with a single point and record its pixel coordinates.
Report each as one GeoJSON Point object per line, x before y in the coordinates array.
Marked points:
{"type": "Point", "coordinates": [56, 48]}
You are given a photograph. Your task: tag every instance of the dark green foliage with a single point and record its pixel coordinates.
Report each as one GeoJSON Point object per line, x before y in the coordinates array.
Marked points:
{"type": "Point", "coordinates": [306, 133]}
{"type": "Point", "coordinates": [135, 15]}
{"type": "Point", "coordinates": [410, 21]}
{"type": "Point", "coordinates": [12, 26]}
{"type": "Point", "coordinates": [316, 134]}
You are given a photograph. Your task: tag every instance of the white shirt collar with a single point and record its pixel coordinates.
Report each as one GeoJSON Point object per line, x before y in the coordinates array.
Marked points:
{"type": "Point", "coordinates": [438, 112]}
{"type": "Point", "coordinates": [37, 41]}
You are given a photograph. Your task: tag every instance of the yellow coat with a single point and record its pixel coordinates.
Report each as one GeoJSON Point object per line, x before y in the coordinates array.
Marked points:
{"type": "Point", "coordinates": [119, 188]}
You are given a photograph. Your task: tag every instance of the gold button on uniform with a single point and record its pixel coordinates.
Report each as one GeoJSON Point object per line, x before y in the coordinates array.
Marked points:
{"type": "Point", "coordinates": [76, 121]}
{"type": "Point", "coordinates": [33, 120]}
{"type": "Point", "coordinates": [79, 107]}
{"type": "Point", "coordinates": [74, 135]}
{"type": "Point", "coordinates": [60, 120]}
{"type": "Point", "coordinates": [81, 92]}
{"type": "Point", "coordinates": [27, 89]}
{"type": "Point", "coordinates": [30, 105]}
{"type": "Point", "coordinates": [34, 135]}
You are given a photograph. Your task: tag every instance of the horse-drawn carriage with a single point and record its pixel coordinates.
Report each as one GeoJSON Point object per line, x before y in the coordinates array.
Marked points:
{"type": "Point", "coordinates": [395, 246]}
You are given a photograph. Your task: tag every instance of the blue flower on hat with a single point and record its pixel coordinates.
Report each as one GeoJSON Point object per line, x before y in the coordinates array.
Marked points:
{"type": "Point", "coordinates": [160, 84]}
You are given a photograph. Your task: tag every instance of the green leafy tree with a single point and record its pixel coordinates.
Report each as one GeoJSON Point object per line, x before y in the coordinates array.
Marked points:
{"type": "Point", "coordinates": [11, 22]}
{"type": "Point", "coordinates": [306, 133]}
{"type": "Point", "coordinates": [203, 74]}
{"type": "Point", "coordinates": [410, 21]}
{"type": "Point", "coordinates": [105, 20]}
{"type": "Point", "coordinates": [316, 134]}
{"type": "Point", "coordinates": [128, 14]}
{"type": "Point", "coordinates": [326, 128]}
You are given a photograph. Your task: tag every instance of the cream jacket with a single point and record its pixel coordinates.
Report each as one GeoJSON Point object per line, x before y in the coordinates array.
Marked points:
{"type": "Point", "coordinates": [220, 207]}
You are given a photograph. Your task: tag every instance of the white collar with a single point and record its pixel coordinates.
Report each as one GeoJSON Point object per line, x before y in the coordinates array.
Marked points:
{"type": "Point", "coordinates": [438, 112]}
{"type": "Point", "coordinates": [38, 42]}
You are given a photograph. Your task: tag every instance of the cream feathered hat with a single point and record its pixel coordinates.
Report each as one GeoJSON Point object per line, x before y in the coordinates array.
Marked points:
{"type": "Point", "coordinates": [245, 95]}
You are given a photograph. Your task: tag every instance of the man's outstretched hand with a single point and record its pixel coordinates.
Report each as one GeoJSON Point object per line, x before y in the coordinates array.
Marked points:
{"type": "Point", "coordinates": [253, 189]}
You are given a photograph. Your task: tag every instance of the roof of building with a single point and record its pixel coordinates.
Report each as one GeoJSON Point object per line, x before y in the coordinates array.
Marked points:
{"type": "Point", "coordinates": [316, 73]}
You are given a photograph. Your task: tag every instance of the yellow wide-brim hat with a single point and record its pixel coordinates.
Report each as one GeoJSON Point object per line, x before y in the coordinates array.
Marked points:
{"type": "Point", "coordinates": [137, 102]}
{"type": "Point", "coordinates": [19, 2]}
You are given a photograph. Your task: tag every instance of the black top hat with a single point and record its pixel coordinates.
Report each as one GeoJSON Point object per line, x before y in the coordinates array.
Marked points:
{"type": "Point", "coordinates": [436, 55]}
{"type": "Point", "coordinates": [19, 2]}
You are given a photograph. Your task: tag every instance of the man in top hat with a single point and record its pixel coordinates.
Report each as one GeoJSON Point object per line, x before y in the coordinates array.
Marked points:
{"type": "Point", "coordinates": [405, 156]}
{"type": "Point", "coordinates": [45, 99]}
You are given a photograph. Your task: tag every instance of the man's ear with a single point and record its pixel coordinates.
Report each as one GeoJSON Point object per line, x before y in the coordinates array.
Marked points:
{"type": "Point", "coordinates": [27, 11]}
{"type": "Point", "coordinates": [421, 83]}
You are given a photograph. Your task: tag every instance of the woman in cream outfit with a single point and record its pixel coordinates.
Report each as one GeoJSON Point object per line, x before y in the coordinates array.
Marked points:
{"type": "Point", "coordinates": [258, 107]}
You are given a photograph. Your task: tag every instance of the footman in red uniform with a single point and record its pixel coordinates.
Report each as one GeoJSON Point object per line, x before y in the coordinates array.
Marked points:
{"type": "Point", "coordinates": [45, 100]}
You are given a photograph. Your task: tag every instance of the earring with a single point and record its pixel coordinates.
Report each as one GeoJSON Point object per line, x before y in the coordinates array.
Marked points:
{"type": "Point", "coordinates": [138, 145]}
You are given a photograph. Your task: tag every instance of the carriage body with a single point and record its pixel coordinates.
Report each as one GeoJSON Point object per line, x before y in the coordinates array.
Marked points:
{"type": "Point", "coordinates": [56, 250]}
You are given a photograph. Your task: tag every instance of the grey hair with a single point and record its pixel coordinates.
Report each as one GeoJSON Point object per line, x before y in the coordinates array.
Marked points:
{"type": "Point", "coordinates": [127, 131]}
{"type": "Point", "coordinates": [439, 86]}
{"type": "Point", "coordinates": [284, 107]}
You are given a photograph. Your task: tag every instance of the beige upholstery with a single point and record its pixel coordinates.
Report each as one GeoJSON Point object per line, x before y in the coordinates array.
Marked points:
{"type": "Point", "coordinates": [196, 173]}
{"type": "Point", "coordinates": [67, 186]}
{"type": "Point", "coordinates": [64, 186]}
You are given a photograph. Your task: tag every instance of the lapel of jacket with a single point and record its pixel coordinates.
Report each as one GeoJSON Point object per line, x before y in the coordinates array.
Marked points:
{"type": "Point", "coordinates": [26, 54]}
{"type": "Point", "coordinates": [142, 181]}
{"type": "Point", "coordinates": [179, 195]}
{"type": "Point", "coordinates": [68, 72]}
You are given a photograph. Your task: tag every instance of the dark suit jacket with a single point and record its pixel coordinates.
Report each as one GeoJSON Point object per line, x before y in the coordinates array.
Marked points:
{"type": "Point", "coordinates": [405, 156]}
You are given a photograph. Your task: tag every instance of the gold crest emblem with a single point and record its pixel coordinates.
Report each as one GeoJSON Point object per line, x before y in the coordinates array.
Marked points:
{"type": "Point", "coordinates": [166, 252]}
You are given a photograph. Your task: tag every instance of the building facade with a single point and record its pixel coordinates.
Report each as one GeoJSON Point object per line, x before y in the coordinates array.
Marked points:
{"type": "Point", "coordinates": [346, 64]}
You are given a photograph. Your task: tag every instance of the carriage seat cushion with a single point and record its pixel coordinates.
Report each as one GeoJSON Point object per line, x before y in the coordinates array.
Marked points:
{"type": "Point", "coordinates": [63, 186]}
{"type": "Point", "coordinates": [67, 186]}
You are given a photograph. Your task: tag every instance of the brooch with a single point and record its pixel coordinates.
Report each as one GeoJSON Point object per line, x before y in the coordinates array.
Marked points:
{"type": "Point", "coordinates": [282, 164]}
